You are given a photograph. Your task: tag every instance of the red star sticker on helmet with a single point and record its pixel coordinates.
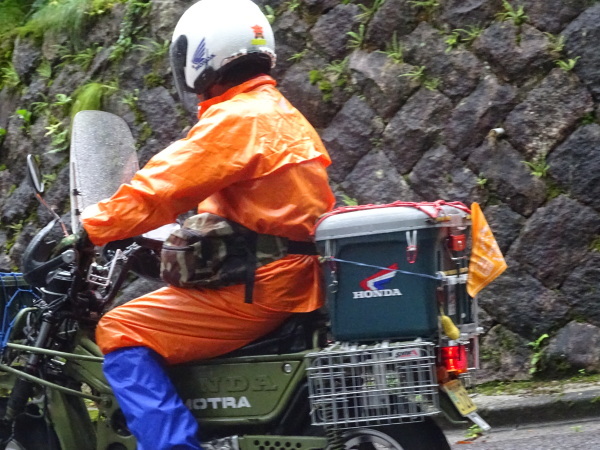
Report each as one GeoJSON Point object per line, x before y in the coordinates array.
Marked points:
{"type": "Point", "coordinates": [257, 29]}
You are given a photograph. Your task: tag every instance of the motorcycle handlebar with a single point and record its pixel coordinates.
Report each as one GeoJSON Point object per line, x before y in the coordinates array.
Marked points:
{"type": "Point", "coordinates": [37, 276]}
{"type": "Point", "coordinates": [36, 264]}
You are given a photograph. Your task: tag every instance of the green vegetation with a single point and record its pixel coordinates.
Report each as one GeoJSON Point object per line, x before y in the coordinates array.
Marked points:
{"type": "Point", "coordinates": [154, 51]}
{"type": "Point", "coordinates": [57, 16]}
{"type": "Point", "coordinates": [119, 50]}
{"type": "Point", "coordinates": [462, 36]}
{"type": "Point", "coordinates": [34, 18]}
{"type": "Point", "coordinates": [298, 56]}
{"type": "Point", "coordinates": [89, 96]}
{"type": "Point", "coordinates": [68, 16]}
{"type": "Point", "coordinates": [153, 79]}
{"type": "Point", "coordinates": [595, 245]}
{"type": "Point", "coordinates": [293, 5]}
{"type": "Point", "coordinates": [394, 50]}
{"type": "Point", "coordinates": [131, 99]}
{"type": "Point", "coordinates": [553, 189]}
{"type": "Point", "coordinates": [9, 76]}
{"type": "Point", "coordinates": [334, 75]}
{"type": "Point", "coordinates": [538, 385]}
{"type": "Point", "coordinates": [130, 28]}
{"type": "Point", "coordinates": [473, 432]}
{"type": "Point", "coordinates": [83, 59]}
{"type": "Point", "coordinates": [14, 228]}
{"type": "Point", "coordinates": [418, 75]}
{"type": "Point", "coordinates": [45, 107]}
{"type": "Point", "coordinates": [26, 117]}
{"type": "Point", "coordinates": [481, 181]}
{"type": "Point", "coordinates": [357, 38]}
{"type": "Point", "coordinates": [44, 70]}
{"type": "Point", "coordinates": [516, 16]}
{"type": "Point", "coordinates": [567, 65]}
{"type": "Point", "coordinates": [49, 178]}
{"type": "Point", "coordinates": [13, 14]}
{"type": "Point", "coordinates": [588, 118]}
{"type": "Point", "coordinates": [431, 84]}
{"type": "Point", "coordinates": [368, 12]}
{"type": "Point", "coordinates": [556, 44]}
{"type": "Point", "coordinates": [269, 13]}
{"type": "Point", "coordinates": [59, 134]}
{"type": "Point", "coordinates": [54, 111]}
{"type": "Point", "coordinates": [537, 352]}
{"type": "Point", "coordinates": [99, 7]}
{"type": "Point", "coordinates": [349, 201]}
{"type": "Point", "coordinates": [427, 5]}
{"type": "Point", "coordinates": [452, 41]}
{"type": "Point", "coordinates": [470, 33]}
{"type": "Point", "coordinates": [538, 167]}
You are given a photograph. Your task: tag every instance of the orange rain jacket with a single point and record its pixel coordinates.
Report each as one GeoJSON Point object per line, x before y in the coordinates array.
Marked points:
{"type": "Point", "coordinates": [251, 158]}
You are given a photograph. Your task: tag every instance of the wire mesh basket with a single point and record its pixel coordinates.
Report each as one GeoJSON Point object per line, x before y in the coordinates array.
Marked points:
{"type": "Point", "coordinates": [15, 294]}
{"type": "Point", "coordinates": [386, 383]}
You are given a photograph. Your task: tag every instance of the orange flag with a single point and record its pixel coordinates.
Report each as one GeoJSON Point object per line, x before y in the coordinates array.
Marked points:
{"type": "Point", "coordinates": [487, 261]}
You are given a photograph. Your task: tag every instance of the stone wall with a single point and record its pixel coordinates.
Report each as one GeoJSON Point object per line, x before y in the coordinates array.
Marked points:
{"type": "Point", "coordinates": [470, 100]}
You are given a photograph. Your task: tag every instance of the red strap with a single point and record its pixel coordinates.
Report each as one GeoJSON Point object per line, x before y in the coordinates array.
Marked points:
{"type": "Point", "coordinates": [421, 206]}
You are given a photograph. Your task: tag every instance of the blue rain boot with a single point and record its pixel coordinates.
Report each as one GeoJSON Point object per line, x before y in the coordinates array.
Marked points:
{"type": "Point", "coordinates": [154, 411]}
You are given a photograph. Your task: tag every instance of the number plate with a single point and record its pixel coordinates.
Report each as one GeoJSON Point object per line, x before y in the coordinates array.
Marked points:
{"type": "Point", "coordinates": [459, 396]}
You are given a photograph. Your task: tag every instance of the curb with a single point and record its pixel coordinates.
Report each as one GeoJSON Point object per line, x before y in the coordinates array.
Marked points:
{"type": "Point", "coordinates": [517, 410]}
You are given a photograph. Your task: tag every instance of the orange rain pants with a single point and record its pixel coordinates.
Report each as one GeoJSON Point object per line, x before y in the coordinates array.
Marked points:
{"type": "Point", "coordinates": [251, 158]}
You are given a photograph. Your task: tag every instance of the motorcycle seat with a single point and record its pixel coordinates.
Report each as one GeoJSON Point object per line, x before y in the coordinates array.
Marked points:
{"type": "Point", "coordinates": [294, 335]}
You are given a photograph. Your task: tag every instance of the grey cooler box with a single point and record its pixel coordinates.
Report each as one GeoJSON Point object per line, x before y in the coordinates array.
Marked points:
{"type": "Point", "coordinates": [369, 295]}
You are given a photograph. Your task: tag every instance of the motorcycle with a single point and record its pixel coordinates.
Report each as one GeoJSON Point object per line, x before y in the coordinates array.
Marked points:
{"type": "Point", "coordinates": [372, 369]}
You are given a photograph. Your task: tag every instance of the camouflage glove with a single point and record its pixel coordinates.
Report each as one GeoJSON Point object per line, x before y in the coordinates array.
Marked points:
{"type": "Point", "coordinates": [78, 241]}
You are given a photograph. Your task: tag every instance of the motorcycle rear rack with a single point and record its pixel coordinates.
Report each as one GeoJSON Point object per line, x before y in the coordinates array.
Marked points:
{"type": "Point", "coordinates": [381, 384]}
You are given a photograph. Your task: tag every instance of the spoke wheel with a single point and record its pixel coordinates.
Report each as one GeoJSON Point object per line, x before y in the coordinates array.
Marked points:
{"type": "Point", "coordinates": [14, 445]}
{"type": "Point", "coordinates": [425, 435]}
{"type": "Point", "coordinates": [31, 433]}
{"type": "Point", "coordinates": [367, 439]}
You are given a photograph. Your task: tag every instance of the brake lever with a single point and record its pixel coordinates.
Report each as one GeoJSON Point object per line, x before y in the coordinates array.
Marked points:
{"type": "Point", "coordinates": [95, 272]}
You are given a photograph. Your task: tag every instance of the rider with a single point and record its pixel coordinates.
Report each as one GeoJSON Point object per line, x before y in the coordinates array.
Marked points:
{"type": "Point", "coordinates": [252, 158]}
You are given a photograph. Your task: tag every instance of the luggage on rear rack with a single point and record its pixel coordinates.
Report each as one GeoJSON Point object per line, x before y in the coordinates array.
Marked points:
{"type": "Point", "coordinates": [390, 269]}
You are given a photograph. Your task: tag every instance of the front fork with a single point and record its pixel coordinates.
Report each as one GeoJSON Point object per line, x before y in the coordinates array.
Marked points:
{"type": "Point", "coordinates": [23, 389]}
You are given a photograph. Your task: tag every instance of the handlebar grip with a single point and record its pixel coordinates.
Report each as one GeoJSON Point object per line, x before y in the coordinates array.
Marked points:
{"type": "Point", "coordinates": [38, 275]}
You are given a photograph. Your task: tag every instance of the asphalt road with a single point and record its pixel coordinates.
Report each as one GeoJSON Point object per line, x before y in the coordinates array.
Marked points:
{"type": "Point", "coordinates": [576, 435]}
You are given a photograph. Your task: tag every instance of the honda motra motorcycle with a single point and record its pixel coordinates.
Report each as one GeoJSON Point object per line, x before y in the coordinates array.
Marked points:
{"type": "Point", "coordinates": [393, 348]}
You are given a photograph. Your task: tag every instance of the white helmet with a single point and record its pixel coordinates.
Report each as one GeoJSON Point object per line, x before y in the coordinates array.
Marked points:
{"type": "Point", "coordinates": [213, 36]}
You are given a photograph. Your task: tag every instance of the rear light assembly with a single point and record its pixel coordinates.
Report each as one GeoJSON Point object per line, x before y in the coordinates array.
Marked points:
{"type": "Point", "coordinates": [454, 359]}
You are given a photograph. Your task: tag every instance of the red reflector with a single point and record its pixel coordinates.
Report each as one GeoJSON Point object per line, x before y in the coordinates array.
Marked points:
{"type": "Point", "coordinates": [457, 242]}
{"type": "Point", "coordinates": [455, 358]}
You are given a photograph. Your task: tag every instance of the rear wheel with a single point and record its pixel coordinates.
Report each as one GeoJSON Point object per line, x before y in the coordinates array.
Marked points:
{"type": "Point", "coordinates": [426, 435]}
{"type": "Point", "coordinates": [31, 432]}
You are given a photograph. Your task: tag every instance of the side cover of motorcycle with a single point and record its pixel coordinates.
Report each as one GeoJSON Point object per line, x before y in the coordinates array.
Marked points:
{"type": "Point", "coordinates": [102, 158]}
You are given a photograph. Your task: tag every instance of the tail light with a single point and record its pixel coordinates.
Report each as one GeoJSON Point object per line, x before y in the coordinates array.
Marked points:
{"type": "Point", "coordinates": [454, 358]}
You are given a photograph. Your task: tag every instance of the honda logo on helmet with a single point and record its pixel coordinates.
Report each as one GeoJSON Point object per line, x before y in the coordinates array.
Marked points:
{"type": "Point", "coordinates": [201, 55]}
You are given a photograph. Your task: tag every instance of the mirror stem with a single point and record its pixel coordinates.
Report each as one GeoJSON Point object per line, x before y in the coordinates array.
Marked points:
{"type": "Point", "coordinates": [54, 214]}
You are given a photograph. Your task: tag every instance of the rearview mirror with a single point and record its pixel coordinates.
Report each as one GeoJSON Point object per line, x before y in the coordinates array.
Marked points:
{"type": "Point", "coordinates": [34, 175]}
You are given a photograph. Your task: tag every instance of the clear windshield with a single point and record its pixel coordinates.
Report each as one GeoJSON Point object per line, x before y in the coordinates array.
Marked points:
{"type": "Point", "coordinates": [102, 158]}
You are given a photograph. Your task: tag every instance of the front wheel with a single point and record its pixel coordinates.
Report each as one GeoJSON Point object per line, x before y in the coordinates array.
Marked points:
{"type": "Point", "coordinates": [31, 432]}
{"type": "Point", "coordinates": [425, 435]}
